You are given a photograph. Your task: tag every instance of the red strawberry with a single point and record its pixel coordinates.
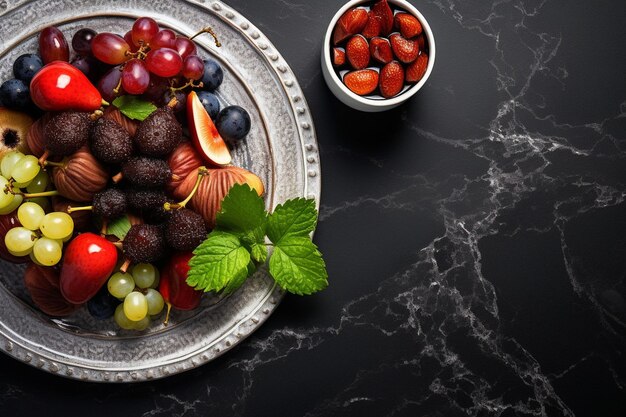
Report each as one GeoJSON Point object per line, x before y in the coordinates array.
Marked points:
{"type": "Point", "coordinates": [350, 23]}
{"type": "Point", "coordinates": [408, 25]}
{"type": "Point", "coordinates": [406, 50]}
{"type": "Point", "coordinates": [384, 13]}
{"type": "Point", "coordinates": [358, 52]}
{"type": "Point", "coordinates": [391, 79]}
{"type": "Point", "coordinates": [361, 82]}
{"type": "Point", "coordinates": [421, 41]}
{"type": "Point", "coordinates": [380, 49]}
{"type": "Point", "coordinates": [416, 70]}
{"type": "Point", "coordinates": [88, 262]}
{"type": "Point", "coordinates": [372, 28]}
{"type": "Point", "coordinates": [339, 57]}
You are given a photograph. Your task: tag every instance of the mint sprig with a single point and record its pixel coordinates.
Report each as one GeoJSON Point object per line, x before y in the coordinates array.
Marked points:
{"type": "Point", "coordinates": [133, 107]}
{"type": "Point", "coordinates": [237, 245]}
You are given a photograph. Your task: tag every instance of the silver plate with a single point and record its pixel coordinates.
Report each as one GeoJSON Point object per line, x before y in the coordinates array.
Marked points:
{"type": "Point", "coordinates": [281, 148]}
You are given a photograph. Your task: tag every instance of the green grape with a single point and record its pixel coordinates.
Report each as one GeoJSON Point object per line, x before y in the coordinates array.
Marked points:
{"type": "Point", "coordinates": [32, 258]}
{"type": "Point", "coordinates": [48, 251]}
{"type": "Point", "coordinates": [144, 275]}
{"type": "Point", "coordinates": [155, 302]}
{"type": "Point", "coordinates": [14, 204]}
{"type": "Point", "coordinates": [43, 202]}
{"type": "Point", "coordinates": [26, 169]}
{"type": "Point", "coordinates": [142, 324]}
{"type": "Point", "coordinates": [135, 306]}
{"type": "Point", "coordinates": [121, 319]}
{"type": "Point", "coordinates": [157, 279]}
{"type": "Point", "coordinates": [39, 183]}
{"type": "Point", "coordinates": [6, 197]}
{"type": "Point", "coordinates": [121, 284]}
{"type": "Point", "coordinates": [57, 225]}
{"type": "Point", "coordinates": [20, 241]}
{"type": "Point", "coordinates": [8, 162]}
{"type": "Point", "coordinates": [30, 215]}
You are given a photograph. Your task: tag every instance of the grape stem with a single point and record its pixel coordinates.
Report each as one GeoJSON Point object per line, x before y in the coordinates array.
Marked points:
{"type": "Point", "coordinates": [97, 114]}
{"type": "Point", "coordinates": [208, 30]}
{"type": "Point", "coordinates": [116, 90]}
{"type": "Point", "coordinates": [44, 158]}
{"type": "Point", "coordinates": [125, 265]}
{"type": "Point", "coordinates": [35, 195]}
{"type": "Point", "coordinates": [54, 164]}
{"type": "Point", "coordinates": [190, 83]}
{"type": "Point", "coordinates": [73, 209]}
{"type": "Point", "coordinates": [202, 171]}
{"type": "Point", "coordinates": [167, 315]}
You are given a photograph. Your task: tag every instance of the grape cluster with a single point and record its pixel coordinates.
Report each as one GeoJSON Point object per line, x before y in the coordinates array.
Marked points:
{"type": "Point", "coordinates": [140, 299]}
{"type": "Point", "coordinates": [40, 236]}
{"type": "Point", "coordinates": [147, 56]}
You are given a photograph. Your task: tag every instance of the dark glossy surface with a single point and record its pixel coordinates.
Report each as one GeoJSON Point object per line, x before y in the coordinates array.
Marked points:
{"type": "Point", "coordinates": [475, 237]}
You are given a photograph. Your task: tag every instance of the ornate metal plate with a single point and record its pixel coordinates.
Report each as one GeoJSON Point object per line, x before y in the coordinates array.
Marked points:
{"type": "Point", "coordinates": [281, 148]}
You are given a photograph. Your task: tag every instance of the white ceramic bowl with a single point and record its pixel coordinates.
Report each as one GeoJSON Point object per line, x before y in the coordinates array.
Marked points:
{"type": "Point", "coordinates": [363, 103]}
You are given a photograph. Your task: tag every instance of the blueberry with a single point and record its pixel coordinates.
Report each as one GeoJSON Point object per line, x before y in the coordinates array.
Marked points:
{"type": "Point", "coordinates": [210, 103]}
{"type": "Point", "coordinates": [83, 64]}
{"type": "Point", "coordinates": [15, 94]}
{"type": "Point", "coordinates": [102, 305]}
{"type": "Point", "coordinates": [233, 123]}
{"type": "Point", "coordinates": [213, 75]}
{"type": "Point", "coordinates": [26, 66]}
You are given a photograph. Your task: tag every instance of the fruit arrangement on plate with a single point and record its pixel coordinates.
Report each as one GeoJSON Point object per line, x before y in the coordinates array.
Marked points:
{"type": "Point", "coordinates": [117, 185]}
{"type": "Point", "coordinates": [378, 51]}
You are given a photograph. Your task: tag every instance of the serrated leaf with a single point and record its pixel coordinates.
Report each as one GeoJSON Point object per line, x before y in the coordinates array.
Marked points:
{"type": "Point", "coordinates": [297, 265]}
{"type": "Point", "coordinates": [134, 107]}
{"type": "Point", "coordinates": [236, 283]}
{"type": "Point", "coordinates": [119, 227]}
{"type": "Point", "coordinates": [242, 210]}
{"type": "Point", "coordinates": [217, 262]}
{"type": "Point", "coordinates": [295, 217]}
{"type": "Point", "coordinates": [259, 252]}
{"type": "Point", "coordinates": [254, 241]}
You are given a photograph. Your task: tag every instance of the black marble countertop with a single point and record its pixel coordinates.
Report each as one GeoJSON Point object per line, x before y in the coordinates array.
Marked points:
{"type": "Point", "coordinates": [475, 237]}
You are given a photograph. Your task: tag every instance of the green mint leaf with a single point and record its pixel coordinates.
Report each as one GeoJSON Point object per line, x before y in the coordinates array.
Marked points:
{"type": "Point", "coordinates": [221, 260]}
{"type": "Point", "coordinates": [295, 217]}
{"type": "Point", "coordinates": [242, 210]}
{"type": "Point", "coordinates": [119, 227]}
{"type": "Point", "coordinates": [240, 279]}
{"type": "Point", "coordinates": [297, 265]}
{"type": "Point", "coordinates": [133, 107]}
{"type": "Point", "coordinates": [254, 241]}
{"type": "Point", "coordinates": [259, 252]}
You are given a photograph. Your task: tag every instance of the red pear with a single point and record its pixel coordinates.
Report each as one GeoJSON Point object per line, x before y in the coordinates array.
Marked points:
{"type": "Point", "coordinates": [205, 136]}
{"type": "Point", "coordinates": [173, 284]}
{"type": "Point", "coordinates": [61, 87]}
{"type": "Point", "coordinates": [88, 262]}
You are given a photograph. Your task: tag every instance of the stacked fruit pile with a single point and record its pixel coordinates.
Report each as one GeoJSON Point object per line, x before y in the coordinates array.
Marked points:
{"type": "Point", "coordinates": [392, 42]}
{"type": "Point", "coordinates": [92, 194]}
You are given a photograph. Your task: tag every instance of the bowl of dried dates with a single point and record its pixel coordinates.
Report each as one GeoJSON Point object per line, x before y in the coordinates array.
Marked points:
{"type": "Point", "coordinates": [377, 54]}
